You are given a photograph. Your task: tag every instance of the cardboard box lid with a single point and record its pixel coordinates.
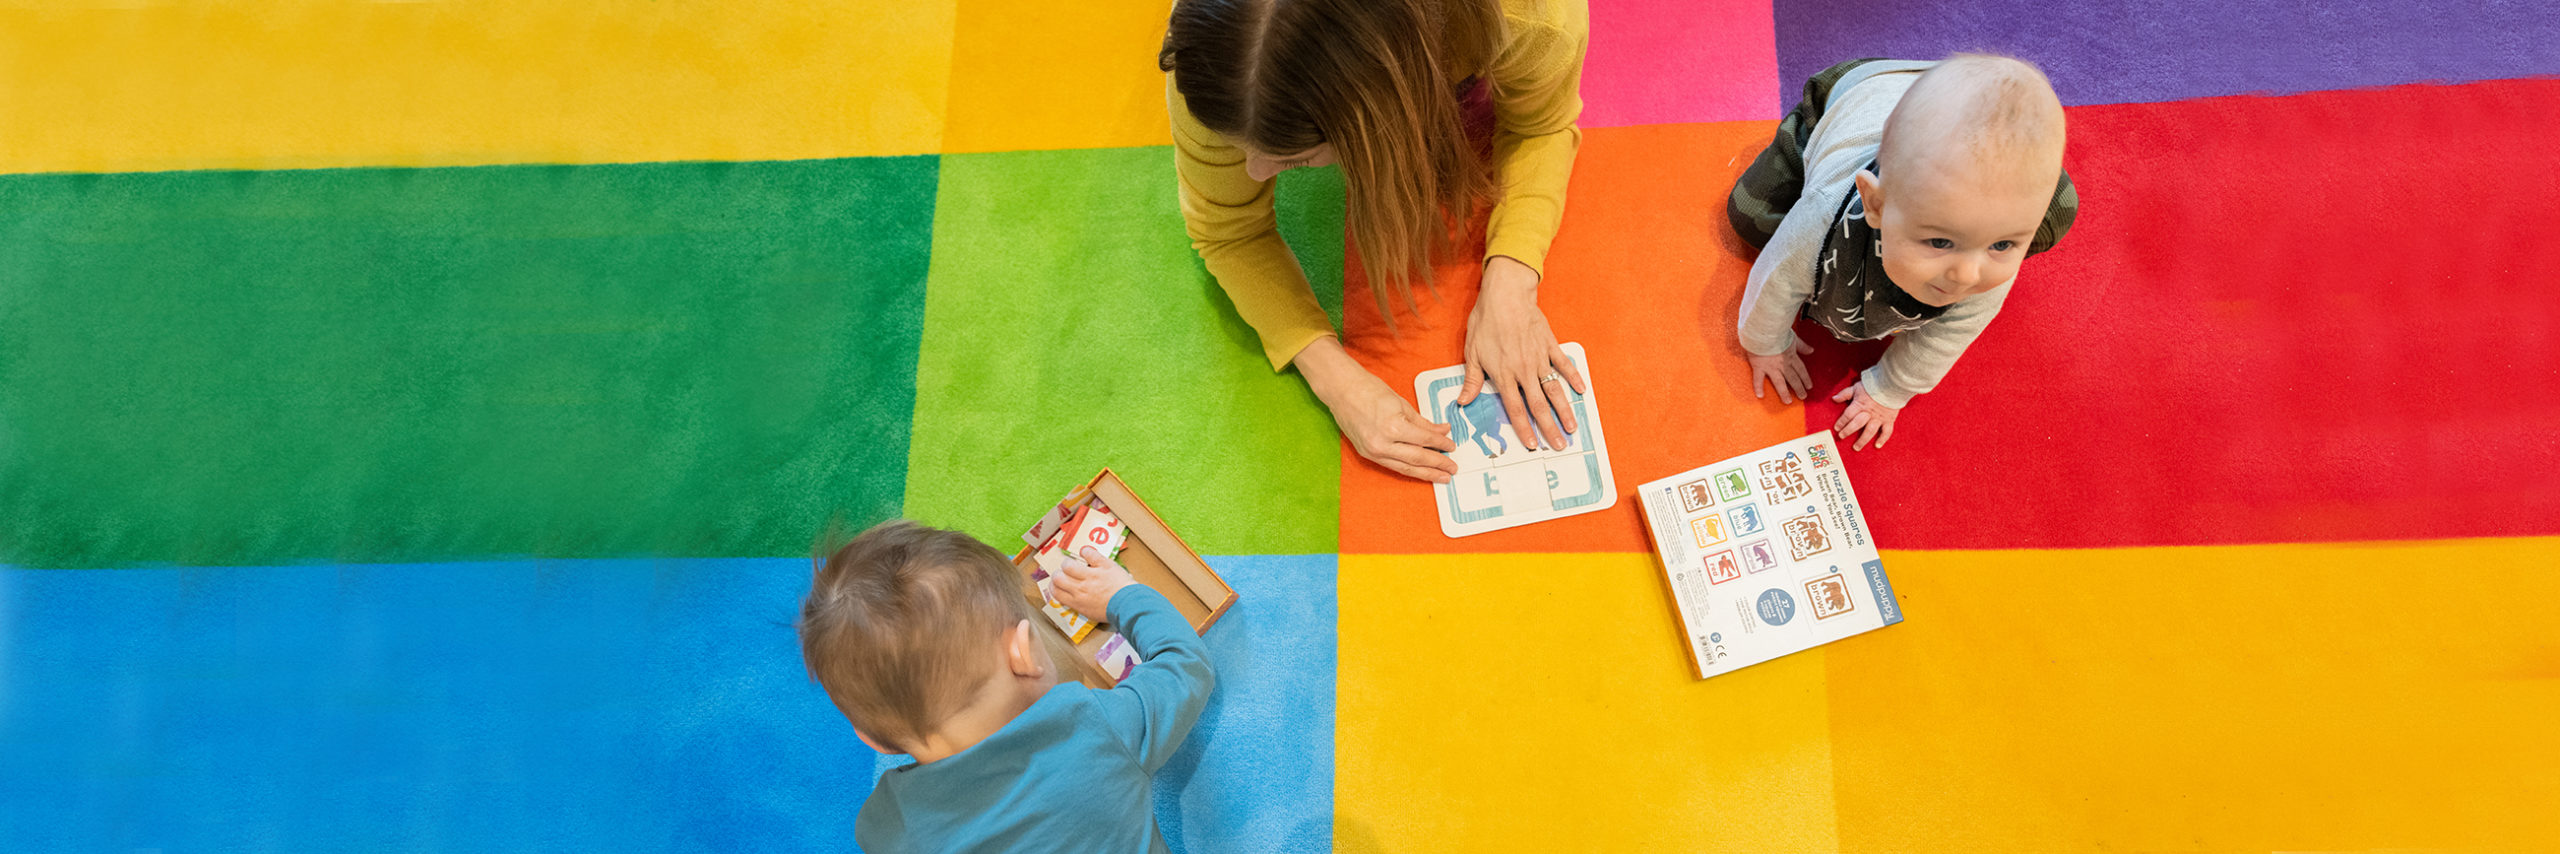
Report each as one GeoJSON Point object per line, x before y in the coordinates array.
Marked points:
{"type": "Point", "coordinates": [1156, 557]}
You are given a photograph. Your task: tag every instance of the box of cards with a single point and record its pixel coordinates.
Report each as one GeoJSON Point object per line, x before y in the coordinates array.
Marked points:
{"type": "Point", "coordinates": [1767, 554]}
{"type": "Point", "coordinates": [1106, 515]}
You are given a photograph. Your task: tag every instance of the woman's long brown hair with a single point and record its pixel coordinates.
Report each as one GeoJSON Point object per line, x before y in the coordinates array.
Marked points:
{"type": "Point", "coordinates": [1378, 79]}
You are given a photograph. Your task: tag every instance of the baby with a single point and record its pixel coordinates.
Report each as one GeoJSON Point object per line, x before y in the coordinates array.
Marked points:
{"type": "Point", "coordinates": [1897, 200]}
{"type": "Point", "coordinates": [926, 642]}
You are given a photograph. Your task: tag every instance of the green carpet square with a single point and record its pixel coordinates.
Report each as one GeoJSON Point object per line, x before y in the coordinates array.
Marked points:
{"type": "Point", "coordinates": [417, 364]}
{"type": "Point", "coordinates": [1069, 326]}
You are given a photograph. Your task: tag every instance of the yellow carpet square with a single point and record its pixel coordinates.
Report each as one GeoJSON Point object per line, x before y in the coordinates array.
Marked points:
{"type": "Point", "coordinates": [1542, 703]}
{"type": "Point", "coordinates": [1028, 74]}
{"type": "Point", "coordinates": [325, 83]}
{"type": "Point", "coordinates": [2245, 698]}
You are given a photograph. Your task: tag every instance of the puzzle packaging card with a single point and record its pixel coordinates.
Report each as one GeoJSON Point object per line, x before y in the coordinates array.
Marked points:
{"type": "Point", "coordinates": [1767, 554]}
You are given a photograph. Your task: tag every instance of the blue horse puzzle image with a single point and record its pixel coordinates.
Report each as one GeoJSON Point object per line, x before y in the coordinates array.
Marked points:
{"type": "Point", "coordinates": [1501, 481]}
{"type": "Point", "coordinates": [1745, 518]}
{"type": "Point", "coordinates": [1480, 420]}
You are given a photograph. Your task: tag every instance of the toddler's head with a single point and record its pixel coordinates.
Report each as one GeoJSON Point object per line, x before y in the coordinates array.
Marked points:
{"type": "Point", "coordinates": [908, 626]}
{"type": "Point", "coordinates": [1969, 161]}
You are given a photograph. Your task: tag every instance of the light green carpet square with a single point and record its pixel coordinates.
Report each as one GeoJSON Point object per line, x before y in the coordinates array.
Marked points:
{"type": "Point", "coordinates": [1069, 326]}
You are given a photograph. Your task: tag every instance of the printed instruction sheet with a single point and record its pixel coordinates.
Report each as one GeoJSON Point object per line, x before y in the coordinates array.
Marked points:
{"type": "Point", "coordinates": [1767, 554]}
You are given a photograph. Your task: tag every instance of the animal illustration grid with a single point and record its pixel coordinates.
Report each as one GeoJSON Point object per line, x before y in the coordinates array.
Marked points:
{"type": "Point", "coordinates": [416, 419]}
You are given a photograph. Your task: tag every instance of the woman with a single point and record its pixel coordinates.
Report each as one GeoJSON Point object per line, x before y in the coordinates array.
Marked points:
{"type": "Point", "coordinates": [1258, 87]}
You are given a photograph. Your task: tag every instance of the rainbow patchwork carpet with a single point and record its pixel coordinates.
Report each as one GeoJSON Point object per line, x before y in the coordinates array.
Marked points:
{"type": "Point", "coordinates": [415, 420]}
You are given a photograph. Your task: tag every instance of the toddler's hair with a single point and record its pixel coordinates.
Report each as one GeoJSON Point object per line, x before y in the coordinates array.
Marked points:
{"type": "Point", "coordinates": [899, 625]}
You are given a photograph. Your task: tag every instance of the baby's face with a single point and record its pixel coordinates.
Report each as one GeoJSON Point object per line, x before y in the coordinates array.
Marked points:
{"type": "Point", "coordinates": [1947, 236]}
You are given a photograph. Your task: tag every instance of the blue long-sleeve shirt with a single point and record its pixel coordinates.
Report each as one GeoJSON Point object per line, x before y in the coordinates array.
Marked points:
{"type": "Point", "coordinates": [1068, 774]}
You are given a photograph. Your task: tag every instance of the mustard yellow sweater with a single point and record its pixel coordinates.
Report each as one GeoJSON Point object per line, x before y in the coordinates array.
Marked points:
{"type": "Point", "coordinates": [1536, 84]}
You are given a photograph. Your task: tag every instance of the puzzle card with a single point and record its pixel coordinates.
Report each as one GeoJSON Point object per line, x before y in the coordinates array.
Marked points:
{"type": "Point", "coordinates": [1097, 528]}
{"type": "Point", "coordinates": [1057, 517]}
{"type": "Point", "coordinates": [1118, 657]}
{"type": "Point", "coordinates": [1051, 554]}
{"type": "Point", "coordinates": [1067, 620]}
{"type": "Point", "coordinates": [1500, 482]}
{"type": "Point", "coordinates": [1767, 554]}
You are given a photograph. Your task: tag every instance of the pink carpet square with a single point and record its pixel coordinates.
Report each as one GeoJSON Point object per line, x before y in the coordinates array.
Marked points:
{"type": "Point", "coordinates": [1671, 61]}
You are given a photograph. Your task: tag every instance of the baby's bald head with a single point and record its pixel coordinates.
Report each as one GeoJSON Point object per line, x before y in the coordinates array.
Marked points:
{"type": "Point", "coordinates": [1970, 161]}
{"type": "Point", "coordinates": [1977, 116]}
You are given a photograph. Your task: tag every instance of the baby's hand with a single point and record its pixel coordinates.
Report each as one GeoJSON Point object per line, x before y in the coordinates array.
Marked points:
{"type": "Point", "coordinates": [1784, 372]}
{"type": "Point", "coordinates": [1865, 417]}
{"type": "Point", "coordinates": [1086, 582]}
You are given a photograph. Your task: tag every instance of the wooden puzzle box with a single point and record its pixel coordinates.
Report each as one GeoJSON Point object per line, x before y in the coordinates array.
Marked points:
{"type": "Point", "coordinates": [1153, 554]}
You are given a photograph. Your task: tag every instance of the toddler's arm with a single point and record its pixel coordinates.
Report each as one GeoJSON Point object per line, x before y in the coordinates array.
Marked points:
{"type": "Point", "coordinates": [1781, 280]}
{"type": "Point", "coordinates": [1154, 708]}
{"type": "Point", "coordinates": [1918, 359]}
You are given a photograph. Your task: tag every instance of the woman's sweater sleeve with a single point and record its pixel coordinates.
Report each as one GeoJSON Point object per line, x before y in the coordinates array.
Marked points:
{"type": "Point", "coordinates": [1230, 220]}
{"type": "Point", "coordinates": [1537, 99]}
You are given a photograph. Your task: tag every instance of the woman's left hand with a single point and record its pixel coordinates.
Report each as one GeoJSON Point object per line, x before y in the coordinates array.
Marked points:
{"type": "Point", "coordinates": [1510, 352]}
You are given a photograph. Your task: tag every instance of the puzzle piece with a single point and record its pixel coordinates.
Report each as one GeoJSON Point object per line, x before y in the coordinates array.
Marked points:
{"type": "Point", "coordinates": [1118, 657]}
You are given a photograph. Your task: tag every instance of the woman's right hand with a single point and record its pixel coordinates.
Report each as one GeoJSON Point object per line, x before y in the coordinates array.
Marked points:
{"type": "Point", "coordinates": [1382, 427]}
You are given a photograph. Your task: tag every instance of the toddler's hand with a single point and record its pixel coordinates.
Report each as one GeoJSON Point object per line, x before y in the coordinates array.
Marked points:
{"type": "Point", "coordinates": [1783, 372]}
{"type": "Point", "coordinates": [1086, 582]}
{"type": "Point", "coordinates": [1865, 417]}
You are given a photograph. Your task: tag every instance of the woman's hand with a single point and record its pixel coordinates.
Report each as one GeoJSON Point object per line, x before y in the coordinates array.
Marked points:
{"type": "Point", "coordinates": [1512, 353]}
{"type": "Point", "coordinates": [1382, 427]}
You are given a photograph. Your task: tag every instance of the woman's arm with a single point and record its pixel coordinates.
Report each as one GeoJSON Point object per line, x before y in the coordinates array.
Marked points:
{"type": "Point", "coordinates": [1536, 82]}
{"type": "Point", "coordinates": [1537, 97]}
{"type": "Point", "coordinates": [1230, 220]}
